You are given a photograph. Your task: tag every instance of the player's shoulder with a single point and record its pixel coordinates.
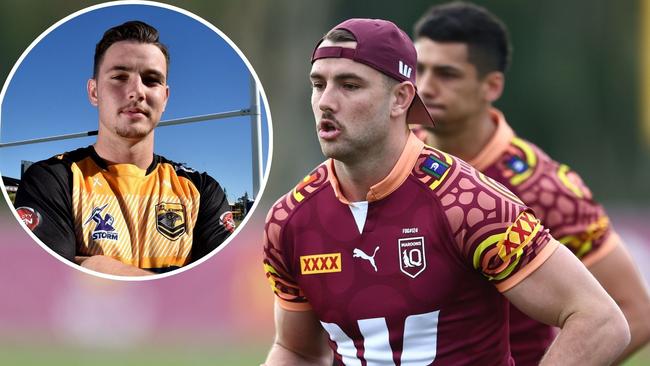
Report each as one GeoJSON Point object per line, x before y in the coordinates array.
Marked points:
{"type": "Point", "coordinates": [59, 164]}
{"type": "Point", "coordinates": [448, 176]}
{"type": "Point", "coordinates": [179, 168]}
{"type": "Point", "coordinates": [70, 157]}
{"type": "Point", "coordinates": [202, 180]}
{"type": "Point", "coordinates": [466, 196]}
{"type": "Point", "coordinates": [301, 194]}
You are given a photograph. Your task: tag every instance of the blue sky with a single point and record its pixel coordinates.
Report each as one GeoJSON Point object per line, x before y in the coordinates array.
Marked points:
{"type": "Point", "coordinates": [47, 95]}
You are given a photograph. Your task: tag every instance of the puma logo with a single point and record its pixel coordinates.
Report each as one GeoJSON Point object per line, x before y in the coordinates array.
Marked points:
{"type": "Point", "coordinates": [358, 253]}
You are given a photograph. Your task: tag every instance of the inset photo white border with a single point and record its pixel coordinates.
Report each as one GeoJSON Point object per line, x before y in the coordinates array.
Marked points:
{"type": "Point", "coordinates": [205, 85]}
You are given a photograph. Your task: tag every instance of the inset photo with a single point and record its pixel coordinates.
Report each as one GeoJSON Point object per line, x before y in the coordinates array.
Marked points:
{"type": "Point", "coordinates": [135, 139]}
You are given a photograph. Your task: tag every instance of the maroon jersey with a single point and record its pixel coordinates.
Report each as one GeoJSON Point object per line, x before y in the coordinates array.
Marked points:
{"type": "Point", "coordinates": [419, 281]}
{"type": "Point", "coordinates": [561, 201]}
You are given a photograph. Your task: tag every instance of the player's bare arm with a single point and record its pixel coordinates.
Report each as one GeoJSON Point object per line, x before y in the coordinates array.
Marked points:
{"type": "Point", "coordinates": [299, 340]}
{"type": "Point", "coordinates": [593, 328]}
{"type": "Point", "coordinates": [618, 274]}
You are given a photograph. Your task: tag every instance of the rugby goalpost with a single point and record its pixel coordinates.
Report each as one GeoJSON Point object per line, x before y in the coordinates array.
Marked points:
{"type": "Point", "coordinates": [255, 121]}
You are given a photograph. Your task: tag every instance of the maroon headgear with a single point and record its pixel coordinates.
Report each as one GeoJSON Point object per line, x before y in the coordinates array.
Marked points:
{"type": "Point", "coordinates": [387, 49]}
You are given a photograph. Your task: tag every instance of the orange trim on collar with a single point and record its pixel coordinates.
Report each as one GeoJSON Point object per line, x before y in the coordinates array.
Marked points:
{"type": "Point", "coordinates": [334, 181]}
{"type": "Point", "coordinates": [393, 180]}
{"type": "Point", "coordinates": [497, 144]}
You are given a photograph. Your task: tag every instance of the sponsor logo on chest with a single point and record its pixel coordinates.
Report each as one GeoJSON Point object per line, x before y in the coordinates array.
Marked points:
{"type": "Point", "coordinates": [320, 263]}
{"type": "Point", "coordinates": [358, 253]}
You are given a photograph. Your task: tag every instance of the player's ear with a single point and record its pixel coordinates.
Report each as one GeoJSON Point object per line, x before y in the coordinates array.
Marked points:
{"type": "Point", "coordinates": [166, 97]}
{"type": "Point", "coordinates": [403, 94]}
{"type": "Point", "coordinates": [91, 88]}
{"type": "Point", "coordinates": [493, 84]}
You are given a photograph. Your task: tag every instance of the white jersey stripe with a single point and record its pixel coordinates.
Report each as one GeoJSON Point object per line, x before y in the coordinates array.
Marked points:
{"type": "Point", "coordinates": [420, 339]}
{"type": "Point", "coordinates": [376, 342]}
{"type": "Point", "coordinates": [345, 346]}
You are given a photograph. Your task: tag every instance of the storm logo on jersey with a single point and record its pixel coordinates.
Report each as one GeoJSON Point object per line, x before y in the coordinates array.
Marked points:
{"type": "Point", "coordinates": [104, 228]}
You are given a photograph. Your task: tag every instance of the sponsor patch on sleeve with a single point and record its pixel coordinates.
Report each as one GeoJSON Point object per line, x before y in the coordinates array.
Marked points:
{"type": "Point", "coordinates": [29, 216]}
{"type": "Point", "coordinates": [434, 167]}
{"type": "Point", "coordinates": [227, 221]}
{"type": "Point", "coordinates": [517, 165]}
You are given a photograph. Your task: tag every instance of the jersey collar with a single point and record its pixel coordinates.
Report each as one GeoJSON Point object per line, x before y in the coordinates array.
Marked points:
{"type": "Point", "coordinates": [130, 170]}
{"type": "Point", "coordinates": [392, 181]}
{"type": "Point", "coordinates": [497, 145]}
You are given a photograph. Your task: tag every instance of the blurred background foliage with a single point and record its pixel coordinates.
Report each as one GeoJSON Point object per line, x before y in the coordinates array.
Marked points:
{"type": "Point", "coordinates": [574, 86]}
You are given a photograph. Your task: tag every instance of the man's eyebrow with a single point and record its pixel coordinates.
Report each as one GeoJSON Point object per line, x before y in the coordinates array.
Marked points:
{"type": "Point", "coordinates": [155, 73]}
{"type": "Point", "coordinates": [149, 72]}
{"type": "Point", "coordinates": [120, 68]}
{"type": "Point", "coordinates": [447, 69]}
{"type": "Point", "coordinates": [348, 76]}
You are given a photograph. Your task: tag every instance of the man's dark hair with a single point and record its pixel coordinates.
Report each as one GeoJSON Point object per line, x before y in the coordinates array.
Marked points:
{"type": "Point", "coordinates": [339, 36]}
{"type": "Point", "coordinates": [486, 36]}
{"type": "Point", "coordinates": [134, 30]}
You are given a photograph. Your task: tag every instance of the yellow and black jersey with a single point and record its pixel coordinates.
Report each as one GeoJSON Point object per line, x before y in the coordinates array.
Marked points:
{"type": "Point", "coordinates": [158, 219]}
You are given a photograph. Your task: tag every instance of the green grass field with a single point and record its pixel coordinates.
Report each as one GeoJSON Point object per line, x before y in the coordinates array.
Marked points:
{"type": "Point", "coordinates": [160, 356]}
{"type": "Point", "coordinates": [642, 358]}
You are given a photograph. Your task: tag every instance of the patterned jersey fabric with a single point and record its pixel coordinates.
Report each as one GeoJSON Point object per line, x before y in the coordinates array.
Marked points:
{"type": "Point", "coordinates": [561, 201]}
{"type": "Point", "coordinates": [421, 282]}
{"type": "Point", "coordinates": [158, 219]}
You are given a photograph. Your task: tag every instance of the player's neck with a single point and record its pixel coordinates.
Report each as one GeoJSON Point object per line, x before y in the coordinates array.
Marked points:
{"type": "Point", "coordinates": [357, 176]}
{"type": "Point", "coordinates": [126, 151]}
{"type": "Point", "coordinates": [467, 141]}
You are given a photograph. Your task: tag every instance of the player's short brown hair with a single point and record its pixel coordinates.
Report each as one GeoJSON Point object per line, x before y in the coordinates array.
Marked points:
{"type": "Point", "coordinates": [133, 30]}
{"type": "Point", "coordinates": [340, 35]}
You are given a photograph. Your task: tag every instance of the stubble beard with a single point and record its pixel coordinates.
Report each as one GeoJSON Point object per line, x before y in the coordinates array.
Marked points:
{"type": "Point", "coordinates": [351, 151]}
{"type": "Point", "coordinates": [134, 130]}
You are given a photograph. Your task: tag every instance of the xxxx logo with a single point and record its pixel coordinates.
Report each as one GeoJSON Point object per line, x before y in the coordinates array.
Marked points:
{"type": "Point", "coordinates": [519, 235]}
{"type": "Point", "coordinates": [320, 263]}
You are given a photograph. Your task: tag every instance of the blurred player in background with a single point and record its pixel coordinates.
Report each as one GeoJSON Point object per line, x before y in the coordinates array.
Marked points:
{"type": "Point", "coordinates": [463, 53]}
{"type": "Point", "coordinates": [116, 207]}
{"type": "Point", "coordinates": [399, 253]}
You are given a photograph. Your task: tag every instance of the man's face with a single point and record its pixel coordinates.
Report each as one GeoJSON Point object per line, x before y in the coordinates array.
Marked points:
{"type": "Point", "coordinates": [447, 83]}
{"type": "Point", "coordinates": [130, 90]}
{"type": "Point", "coordinates": [351, 104]}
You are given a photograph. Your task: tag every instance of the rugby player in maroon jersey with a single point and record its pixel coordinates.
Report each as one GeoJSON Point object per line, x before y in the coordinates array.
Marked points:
{"type": "Point", "coordinates": [395, 253]}
{"type": "Point", "coordinates": [463, 53]}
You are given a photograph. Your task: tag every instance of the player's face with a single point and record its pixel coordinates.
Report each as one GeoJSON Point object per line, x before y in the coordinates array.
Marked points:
{"type": "Point", "coordinates": [130, 89]}
{"type": "Point", "coordinates": [448, 83]}
{"type": "Point", "coordinates": [351, 103]}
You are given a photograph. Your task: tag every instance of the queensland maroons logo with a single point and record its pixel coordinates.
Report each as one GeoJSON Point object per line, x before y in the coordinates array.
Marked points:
{"type": "Point", "coordinates": [170, 220]}
{"type": "Point", "coordinates": [104, 228]}
{"type": "Point", "coordinates": [412, 260]}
